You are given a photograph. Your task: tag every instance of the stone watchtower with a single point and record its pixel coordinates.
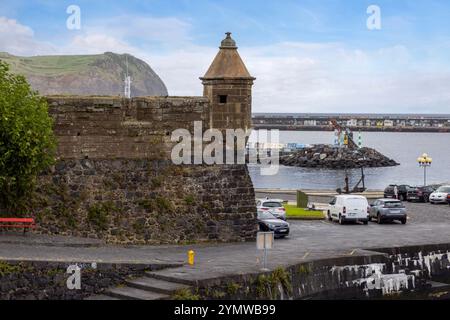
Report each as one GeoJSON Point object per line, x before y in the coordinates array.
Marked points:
{"type": "Point", "coordinates": [228, 86]}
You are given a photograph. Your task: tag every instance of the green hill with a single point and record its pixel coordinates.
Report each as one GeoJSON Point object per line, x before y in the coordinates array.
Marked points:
{"type": "Point", "coordinates": [101, 74]}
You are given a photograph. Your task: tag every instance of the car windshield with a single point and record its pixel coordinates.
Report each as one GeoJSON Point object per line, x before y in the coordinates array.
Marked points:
{"type": "Point", "coordinates": [265, 216]}
{"type": "Point", "coordinates": [393, 204]}
{"type": "Point", "coordinates": [444, 189]}
{"type": "Point", "coordinates": [272, 204]}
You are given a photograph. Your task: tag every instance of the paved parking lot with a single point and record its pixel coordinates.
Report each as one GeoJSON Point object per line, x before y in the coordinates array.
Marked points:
{"type": "Point", "coordinates": [426, 212]}
{"type": "Point", "coordinates": [424, 220]}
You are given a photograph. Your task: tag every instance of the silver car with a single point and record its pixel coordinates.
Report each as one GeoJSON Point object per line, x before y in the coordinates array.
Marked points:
{"type": "Point", "coordinates": [273, 206]}
{"type": "Point", "coordinates": [384, 210]}
{"type": "Point", "coordinates": [440, 195]}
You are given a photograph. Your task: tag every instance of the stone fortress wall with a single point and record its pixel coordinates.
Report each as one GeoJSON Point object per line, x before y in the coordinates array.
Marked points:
{"type": "Point", "coordinates": [114, 178]}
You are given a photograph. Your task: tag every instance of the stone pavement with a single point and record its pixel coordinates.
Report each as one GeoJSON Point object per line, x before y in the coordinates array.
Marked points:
{"type": "Point", "coordinates": [309, 240]}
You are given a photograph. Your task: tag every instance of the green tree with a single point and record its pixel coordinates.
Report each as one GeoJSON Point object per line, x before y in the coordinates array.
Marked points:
{"type": "Point", "coordinates": [27, 144]}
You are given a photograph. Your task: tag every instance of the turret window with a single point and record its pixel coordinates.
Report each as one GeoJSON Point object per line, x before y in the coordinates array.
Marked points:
{"type": "Point", "coordinates": [223, 99]}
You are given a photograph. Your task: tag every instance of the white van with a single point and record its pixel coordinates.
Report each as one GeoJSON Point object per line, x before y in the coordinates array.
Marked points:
{"type": "Point", "coordinates": [349, 208]}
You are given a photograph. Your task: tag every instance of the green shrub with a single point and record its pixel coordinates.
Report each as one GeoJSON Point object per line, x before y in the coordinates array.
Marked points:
{"type": "Point", "coordinates": [6, 268]}
{"type": "Point", "coordinates": [163, 204]}
{"type": "Point", "coordinates": [185, 294]}
{"type": "Point", "coordinates": [157, 182]}
{"type": "Point", "coordinates": [98, 214]}
{"type": "Point", "coordinates": [189, 199]}
{"type": "Point", "coordinates": [233, 288]}
{"type": "Point", "coordinates": [27, 143]}
{"type": "Point", "coordinates": [267, 285]}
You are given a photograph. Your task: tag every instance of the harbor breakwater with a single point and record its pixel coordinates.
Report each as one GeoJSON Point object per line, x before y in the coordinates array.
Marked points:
{"type": "Point", "coordinates": [330, 157]}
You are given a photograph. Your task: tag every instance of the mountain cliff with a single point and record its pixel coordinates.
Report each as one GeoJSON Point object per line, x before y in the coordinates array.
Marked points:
{"type": "Point", "coordinates": [101, 74]}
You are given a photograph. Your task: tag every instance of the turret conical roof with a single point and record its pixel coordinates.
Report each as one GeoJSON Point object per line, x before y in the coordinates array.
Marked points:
{"type": "Point", "coordinates": [228, 63]}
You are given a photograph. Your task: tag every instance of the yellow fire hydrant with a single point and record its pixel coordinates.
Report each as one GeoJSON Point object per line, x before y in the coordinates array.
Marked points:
{"type": "Point", "coordinates": [191, 257]}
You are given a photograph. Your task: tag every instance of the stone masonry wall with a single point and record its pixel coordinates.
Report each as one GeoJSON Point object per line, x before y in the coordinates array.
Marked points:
{"type": "Point", "coordinates": [236, 113]}
{"type": "Point", "coordinates": [41, 280]}
{"type": "Point", "coordinates": [114, 127]}
{"type": "Point", "coordinates": [114, 179]}
{"type": "Point", "coordinates": [146, 202]}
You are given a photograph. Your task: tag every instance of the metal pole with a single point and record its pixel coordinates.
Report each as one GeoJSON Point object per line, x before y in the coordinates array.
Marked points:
{"type": "Point", "coordinates": [265, 258]}
{"type": "Point", "coordinates": [424, 175]}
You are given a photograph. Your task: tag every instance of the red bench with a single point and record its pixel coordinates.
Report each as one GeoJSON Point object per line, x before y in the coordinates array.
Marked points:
{"type": "Point", "coordinates": [25, 223]}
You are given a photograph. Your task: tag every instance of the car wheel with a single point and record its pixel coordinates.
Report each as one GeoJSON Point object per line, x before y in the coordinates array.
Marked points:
{"type": "Point", "coordinates": [366, 222]}
{"type": "Point", "coordinates": [403, 221]}
{"type": "Point", "coordinates": [329, 216]}
{"type": "Point", "coordinates": [341, 220]}
{"type": "Point", "coordinates": [379, 219]}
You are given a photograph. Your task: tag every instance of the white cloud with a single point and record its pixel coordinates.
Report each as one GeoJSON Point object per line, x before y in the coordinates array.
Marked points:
{"type": "Point", "coordinates": [96, 43]}
{"type": "Point", "coordinates": [19, 39]}
{"type": "Point", "coordinates": [167, 32]}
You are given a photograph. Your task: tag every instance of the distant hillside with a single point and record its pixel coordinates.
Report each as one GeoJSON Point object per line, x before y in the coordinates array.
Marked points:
{"type": "Point", "coordinates": [101, 74]}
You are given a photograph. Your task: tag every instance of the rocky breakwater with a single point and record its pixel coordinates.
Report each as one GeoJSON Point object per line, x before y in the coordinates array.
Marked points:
{"type": "Point", "coordinates": [331, 157]}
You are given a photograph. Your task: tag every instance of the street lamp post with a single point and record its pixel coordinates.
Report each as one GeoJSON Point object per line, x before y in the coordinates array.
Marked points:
{"type": "Point", "coordinates": [425, 162]}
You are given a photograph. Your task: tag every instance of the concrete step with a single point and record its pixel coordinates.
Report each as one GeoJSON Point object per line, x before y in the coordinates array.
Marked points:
{"type": "Point", "coordinates": [156, 285]}
{"type": "Point", "coordinates": [129, 293]}
{"type": "Point", "coordinates": [170, 277]}
{"type": "Point", "coordinates": [100, 297]}
{"type": "Point", "coordinates": [438, 285]}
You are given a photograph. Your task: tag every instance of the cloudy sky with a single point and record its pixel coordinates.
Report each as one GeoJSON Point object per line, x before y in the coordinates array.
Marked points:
{"type": "Point", "coordinates": [307, 55]}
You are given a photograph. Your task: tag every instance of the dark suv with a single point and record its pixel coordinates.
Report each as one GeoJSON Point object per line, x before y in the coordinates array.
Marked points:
{"type": "Point", "coordinates": [420, 194]}
{"type": "Point", "coordinates": [402, 191]}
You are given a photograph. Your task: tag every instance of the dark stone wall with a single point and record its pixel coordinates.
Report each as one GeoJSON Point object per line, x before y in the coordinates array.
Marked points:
{"type": "Point", "coordinates": [128, 201]}
{"type": "Point", "coordinates": [392, 273]}
{"type": "Point", "coordinates": [48, 280]}
{"type": "Point", "coordinates": [114, 179]}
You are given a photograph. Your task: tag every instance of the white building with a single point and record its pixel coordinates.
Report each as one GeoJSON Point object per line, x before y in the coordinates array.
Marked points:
{"type": "Point", "coordinates": [352, 123]}
{"type": "Point", "coordinates": [311, 123]}
{"type": "Point", "coordinates": [388, 123]}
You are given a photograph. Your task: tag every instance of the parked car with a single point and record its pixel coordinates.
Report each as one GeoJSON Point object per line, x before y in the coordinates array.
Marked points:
{"type": "Point", "coordinates": [273, 206]}
{"type": "Point", "coordinates": [268, 223]}
{"type": "Point", "coordinates": [346, 208]}
{"type": "Point", "coordinates": [440, 195]}
{"type": "Point", "coordinates": [448, 199]}
{"type": "Point", "coordinates": [388, 210]}
{"type": "Point", "coordinates": [420, 194]}
{"type": "Point", "coordinates": [402, 191]}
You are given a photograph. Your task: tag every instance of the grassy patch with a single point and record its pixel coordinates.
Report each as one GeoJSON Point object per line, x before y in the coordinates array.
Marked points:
{"type": "Point", "coordinates": [6, 268]}
{"type": "Point", "coordinates": [293, 212]}
{"type": "Point", "coordinates": [185, 294]}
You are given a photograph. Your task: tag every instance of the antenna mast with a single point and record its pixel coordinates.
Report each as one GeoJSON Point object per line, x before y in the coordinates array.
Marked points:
{"type": "Point", "coordinates": [127, 91]}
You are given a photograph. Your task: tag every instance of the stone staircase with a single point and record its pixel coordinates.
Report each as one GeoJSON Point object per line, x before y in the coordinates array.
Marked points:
{"type": "Point", "coordinates": [150, 287]}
